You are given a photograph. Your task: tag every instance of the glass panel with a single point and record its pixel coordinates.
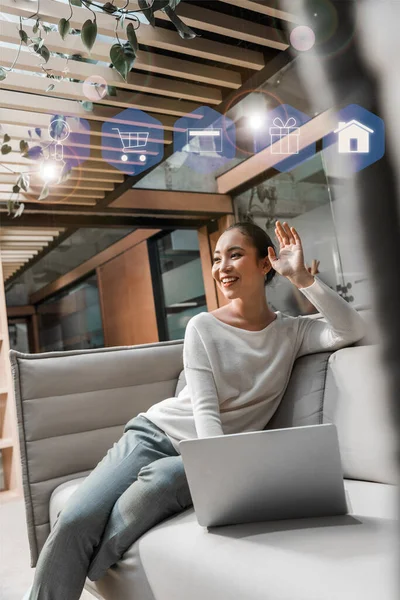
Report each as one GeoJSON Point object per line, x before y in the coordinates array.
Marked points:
{"type": "Point", "coordinates": [285, 87]}
{"type": "Point", "coordinates": [18, 335]}
{"type": "Point", "coordinates": [182, 280]}
{"type": "Point", "coordinates": [300, 197]}
{"type": "Point", "coordinates": [356, 284]}
{"type": "Point", "coordinates": [72, 320]}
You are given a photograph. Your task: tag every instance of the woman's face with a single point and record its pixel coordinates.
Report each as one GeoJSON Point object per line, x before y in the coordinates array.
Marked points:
{"type": "Point", "coordinates": [236, 268]}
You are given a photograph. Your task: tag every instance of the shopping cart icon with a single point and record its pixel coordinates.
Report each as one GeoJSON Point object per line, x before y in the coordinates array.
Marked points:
{"type": "Point", "coordinates": [132, 141]}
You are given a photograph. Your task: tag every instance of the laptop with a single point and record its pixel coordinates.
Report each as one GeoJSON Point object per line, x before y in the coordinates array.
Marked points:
{"type": "Point", "coordinates": [268, 475]}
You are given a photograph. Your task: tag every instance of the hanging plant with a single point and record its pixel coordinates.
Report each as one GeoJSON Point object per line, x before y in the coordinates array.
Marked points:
{"type": "Point", "coordinates": [122, 57]}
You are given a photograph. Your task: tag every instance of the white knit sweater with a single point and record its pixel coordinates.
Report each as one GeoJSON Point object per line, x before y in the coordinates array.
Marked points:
{"type": "Point", "coordinates": [235, 379]}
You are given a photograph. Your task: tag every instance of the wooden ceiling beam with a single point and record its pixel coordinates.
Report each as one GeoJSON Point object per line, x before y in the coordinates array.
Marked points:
{"type": "Point", "coordinates": [95, 157]}
{"type": "Point", "coordinates": [67, 90]}
{"type": "Point", "coordinates": [153, 37]}
{"type": "Point", "coordinates": [20, 246]}
{"type": "Point", "coordinates": [68, 193]}
{"type": "Point", "coordinates": [25, 118]}
{"type": "Point", "coordinates": [63, 200]}
{"type": "Point", "coordinates": [264, 7]}
{"type": "Point", "coordinates": [87, 217]}
{"type": "Point", "coordinates": [21, 133]}
{"type": "Point", "coordinates": [150, 63]}
{"type": "Point", "coordinates": [37, 182]}
{"type": "Point", "coordinates": [45, 104]}
{"type": "Point", "coordinates": [18, 163]}
{"type": "Point", "coordinates": [229, 26]}
{"type": "Point", "coordinates": [165, 200]}
{"type": "Point", "coordinates": [145, 83]}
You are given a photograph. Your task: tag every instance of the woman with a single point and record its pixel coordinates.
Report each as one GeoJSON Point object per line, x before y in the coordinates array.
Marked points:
{"type": "Point", "coordinates": [238, 360]}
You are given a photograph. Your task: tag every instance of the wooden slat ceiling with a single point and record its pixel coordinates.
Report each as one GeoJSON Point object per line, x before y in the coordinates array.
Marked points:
{"type": "Point", "coordinates": [18, 246]}
{"type": "Point", "coordinates": [170, 78]}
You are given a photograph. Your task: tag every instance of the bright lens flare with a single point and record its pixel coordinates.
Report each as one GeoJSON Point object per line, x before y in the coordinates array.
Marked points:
{"type": "Point", "coordinates": [256, 121]}
{"type": "Point", "coordinates": [302, 38]}
{"type": "Point", "coordinates": [49, 171]}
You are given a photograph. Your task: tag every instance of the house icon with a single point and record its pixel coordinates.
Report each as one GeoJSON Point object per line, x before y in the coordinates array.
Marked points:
{"type": "Point", "coordinates": [353, 137]}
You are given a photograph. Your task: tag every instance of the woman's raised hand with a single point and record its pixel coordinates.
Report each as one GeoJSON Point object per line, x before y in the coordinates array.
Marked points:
{"type": "Point", "coordinates": [290, 262]}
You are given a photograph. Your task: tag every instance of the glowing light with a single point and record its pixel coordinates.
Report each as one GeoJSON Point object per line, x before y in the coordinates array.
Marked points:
{"type": "Point", "coordinates": [256, 121]}
{"type": "Point", "coordinates": [142, 158]}
{"type": "Point", "coordinates": [124, 157]}
{"type": "Point", "coordinates": [50, 170]}
{"type": "Point", "coordinates": [302, 38]}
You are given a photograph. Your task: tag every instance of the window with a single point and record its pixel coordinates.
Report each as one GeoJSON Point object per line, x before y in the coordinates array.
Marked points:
{"type": "Point", "coordinates": [177, 280]}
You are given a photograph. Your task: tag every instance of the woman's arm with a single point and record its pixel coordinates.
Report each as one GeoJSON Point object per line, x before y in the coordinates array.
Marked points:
{"type": "Point", "coordinates": [344, 325]}
{"type": "Point", "coordinates": [201, 385]}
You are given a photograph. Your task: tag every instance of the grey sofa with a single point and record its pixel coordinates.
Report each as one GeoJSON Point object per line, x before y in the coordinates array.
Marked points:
{"type": "Point", "coordinates": [72, 407]}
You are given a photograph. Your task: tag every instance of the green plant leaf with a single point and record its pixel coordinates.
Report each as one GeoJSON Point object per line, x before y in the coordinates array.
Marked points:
{"type": "Point", "coordinates": [50, 87]}
{"type": "Point", "coordinates": [23, 181]}
{"type": "Point", "coordinates": [45, 192]}
{"type": "Point", "coordinates": [148, 11]}
{"type": "Point", "coordinates": [23, 146]}
{"type": "Point", "coordinates": [89, 34]}
{"type": "Point", "coordinates": [129, 54]}
{"type": "Point", "coordinates": [65, 173]}
{"type": "Point", "coordinates": [19, 210]}
{"type": "Point", "coordinates": [6, 138]}
{"type": "Point", "coordinates": [76, 2]}
{"type": "Point", "coordinates": [3, 74]}
{"type": "Point", "coordinates": [46, 28]}
{"type": "Point", "coordinates": [6, 149]}
{"type": "Point", "coordinates": [111, 90]}
{"type": "Point", "coordinates": [109, 8]}
{"type": "Point", "coordinates": [35, 28]}
{"type": "Point", "coordinates": [131, 35]}
{"type": "Point", "coordinates": [63, 27]}
{"type": "Point", "coordinates": [117, 56]}
{"type": "Point", "coordinates": [184, 31]}
{"type": "Point", "coordinates": [23, 36]}
{"type": "Point", "coordinates": [16, 189]}
{"type": "Point", "coordinates": [10, 207]}
{"type": "Point", "coordinates": [86, 105]}
{"type": "Point", "coordinates": [45, 53]}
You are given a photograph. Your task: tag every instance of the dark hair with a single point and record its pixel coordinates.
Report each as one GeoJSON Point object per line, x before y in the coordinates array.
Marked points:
{"type": "Point", "coordinates": [260, 240]}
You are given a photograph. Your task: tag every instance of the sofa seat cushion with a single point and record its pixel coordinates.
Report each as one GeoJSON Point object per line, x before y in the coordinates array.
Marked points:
{"type": "Point", "coordinates": [324, 558]}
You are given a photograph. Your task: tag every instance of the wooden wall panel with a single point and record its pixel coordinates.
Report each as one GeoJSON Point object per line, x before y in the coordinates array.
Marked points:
{"type": "Point", "coordinates": [127, 303]}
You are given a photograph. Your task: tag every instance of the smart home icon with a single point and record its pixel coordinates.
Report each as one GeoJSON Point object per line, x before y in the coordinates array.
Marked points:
{"type": "Point", "coordinates": [353, 137]}
{"type": "Point", "coordinates": [360, 134]}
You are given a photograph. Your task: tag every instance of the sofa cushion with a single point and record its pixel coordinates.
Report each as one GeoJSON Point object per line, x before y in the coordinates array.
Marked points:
{"type": "Point", "coordinates": [358, 402]}
{"type": "Point", "coordinates": [303, 401]}
{"type": "Point", "coordinates": [179, 559]}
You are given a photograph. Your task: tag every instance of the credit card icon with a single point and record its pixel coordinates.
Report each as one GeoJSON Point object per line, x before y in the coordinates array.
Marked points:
{"type": "Point", "coordinates": [204, 140]}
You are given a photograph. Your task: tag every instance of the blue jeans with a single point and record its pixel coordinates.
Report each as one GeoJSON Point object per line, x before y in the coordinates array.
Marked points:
{"type": "Point", "coordinates": [140, 482]}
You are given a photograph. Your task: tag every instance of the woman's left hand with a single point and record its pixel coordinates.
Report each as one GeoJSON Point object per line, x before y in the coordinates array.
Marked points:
{"type": "Point", "coordinates": [290, 262]}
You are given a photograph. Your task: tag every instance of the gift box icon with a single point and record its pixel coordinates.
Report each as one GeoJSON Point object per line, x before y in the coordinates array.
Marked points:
{"type": "Point", "coordinates": [285, 136]}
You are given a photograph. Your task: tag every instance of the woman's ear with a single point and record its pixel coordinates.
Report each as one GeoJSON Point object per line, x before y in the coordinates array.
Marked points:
{"type": "Point", "coordinates": [267, 266]}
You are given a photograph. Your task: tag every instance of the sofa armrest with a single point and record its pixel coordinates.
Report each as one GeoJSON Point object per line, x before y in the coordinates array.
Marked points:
{"type": "Point", "coordinates": [73, 406]}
